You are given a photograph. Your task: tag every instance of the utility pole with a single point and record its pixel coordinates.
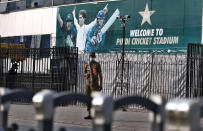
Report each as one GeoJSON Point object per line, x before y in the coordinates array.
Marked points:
{"type": "Point", "coordinates": [123, 19]}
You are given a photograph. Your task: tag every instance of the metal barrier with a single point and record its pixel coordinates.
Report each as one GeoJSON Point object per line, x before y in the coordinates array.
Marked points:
{"type": "Point", "coordinates": [101, 110]}
{"type": "Point", "coordinates": [66, 99]}
{"type": "Point", "coordinates": [155, 104]}
{"type": "Point", "coordinates": [183, 115]}
{"type": "Point", "coordinates": [45, 103]}
{"type": "Point", "coordinates": [180, 115]}
{"type": "Point", "coordinates": [6, 96]}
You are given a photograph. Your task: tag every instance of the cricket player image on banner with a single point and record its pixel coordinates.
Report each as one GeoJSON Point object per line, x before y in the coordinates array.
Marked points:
{"type": "Point", "coordinates": [83, 29]}
{"type": "Point", "coordinates": [153, 25]}
{"type": "Point", "coordinates": [96, 36]}
{"type": "Point", "coordinates": [68, 29]}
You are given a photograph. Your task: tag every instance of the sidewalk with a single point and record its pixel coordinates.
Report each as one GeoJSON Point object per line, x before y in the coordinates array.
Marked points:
{"type": "Point", "coordinates": [72, 118]}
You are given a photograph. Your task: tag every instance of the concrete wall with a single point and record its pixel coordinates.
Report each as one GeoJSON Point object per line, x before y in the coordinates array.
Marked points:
{"type": "Point", "coordinates": [30, 22]}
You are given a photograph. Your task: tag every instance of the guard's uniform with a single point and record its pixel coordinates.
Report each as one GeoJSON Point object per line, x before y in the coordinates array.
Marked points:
{"type": "Point", "coordinates": [92, 84]}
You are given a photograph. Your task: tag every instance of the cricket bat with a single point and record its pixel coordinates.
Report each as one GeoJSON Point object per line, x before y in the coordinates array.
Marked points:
{"type": "Point", "coordinates": [110, 21]}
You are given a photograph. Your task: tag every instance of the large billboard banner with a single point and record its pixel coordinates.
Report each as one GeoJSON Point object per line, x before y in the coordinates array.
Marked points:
{"type": "Point", "coordinates": [153, 25]}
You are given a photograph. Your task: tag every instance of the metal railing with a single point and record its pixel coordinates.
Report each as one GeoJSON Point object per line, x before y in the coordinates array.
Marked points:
{"type": "Point", "coordinates": [63, 70]}
{"type": "Point", "coordinates": [144, 74]}
{"type": "Point", "coordinates": [169, 75]}
{"type": "Point", "coordinates": [37, 69]}
{"type": "Point", "coordinates": [176, 114]}
{"type": "Point", "coordinates": [194, 70]}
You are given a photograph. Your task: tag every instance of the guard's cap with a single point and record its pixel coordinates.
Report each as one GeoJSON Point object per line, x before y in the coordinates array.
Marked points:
{"type": "Point", "coordinates": [92, 54]}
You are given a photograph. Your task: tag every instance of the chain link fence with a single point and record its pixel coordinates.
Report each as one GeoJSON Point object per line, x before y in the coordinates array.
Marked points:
{"type": "Point", "coordinates": [144, 74]}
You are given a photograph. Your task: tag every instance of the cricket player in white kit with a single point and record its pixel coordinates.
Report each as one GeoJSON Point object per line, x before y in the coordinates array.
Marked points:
{"type": "Point", "coordinates": [83, 29]}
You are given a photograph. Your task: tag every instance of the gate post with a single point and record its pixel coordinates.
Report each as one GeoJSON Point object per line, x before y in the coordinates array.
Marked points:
{"type": "Point", "coordinates": [102, 112]}
{"type": "Point", "coordinates": [44, 106]}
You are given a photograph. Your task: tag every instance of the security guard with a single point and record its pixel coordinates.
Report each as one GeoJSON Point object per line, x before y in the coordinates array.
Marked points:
{"type": "Point", "coordinates": [93, 76]}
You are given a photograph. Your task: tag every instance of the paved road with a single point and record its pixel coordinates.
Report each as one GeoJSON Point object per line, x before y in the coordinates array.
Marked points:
{"type": "Point", "coordinates": [72, 119]}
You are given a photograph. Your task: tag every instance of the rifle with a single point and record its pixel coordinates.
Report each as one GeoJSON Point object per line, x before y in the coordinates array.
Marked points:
{"type": "Point", "coordinates": [91, 76]}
